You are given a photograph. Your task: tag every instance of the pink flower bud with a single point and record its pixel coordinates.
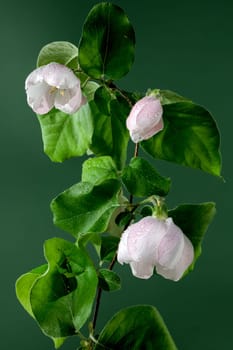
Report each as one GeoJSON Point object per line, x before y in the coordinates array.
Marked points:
{"type": "Point", "coordinates": [154, 243]}
{"type": "Point", "coordinates": [145, 119]}
{"type": "Point", "coordinates": [54, 85]}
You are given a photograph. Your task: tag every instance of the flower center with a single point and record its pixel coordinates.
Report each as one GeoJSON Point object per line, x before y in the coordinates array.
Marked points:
{"type": "Point", "coordinates": [53, 89]}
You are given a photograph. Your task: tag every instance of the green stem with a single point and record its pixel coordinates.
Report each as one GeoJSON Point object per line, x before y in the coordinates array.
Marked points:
{"type": "Point", "coordinates": [110, 267]}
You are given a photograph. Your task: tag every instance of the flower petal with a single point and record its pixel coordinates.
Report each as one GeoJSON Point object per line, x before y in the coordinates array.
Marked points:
{"type": "Point", "coordinates": [181, 266]}
{"type": "Point", "coordinates": [123, 255]}
{"type": "Point", "coordinates": [39, 98]}
{"type": "Point", "coordinates": [142, 270]}
{"type": "Point", "coordinates": [60, 76]}
{"type": "Point", "coordinates": [158, 127]}
{"type": "Point", "coordinates": [144, 238]}
{"type": "Point", "coordinates": [34, 77]}
{"type": "Point", "coordinates": [70, 100]}
{"type": "Point", "coordinates": [171, 246]}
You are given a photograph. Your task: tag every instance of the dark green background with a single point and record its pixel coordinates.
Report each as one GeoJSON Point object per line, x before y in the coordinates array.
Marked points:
{"type": "Point", "coordinates": [185, 46]}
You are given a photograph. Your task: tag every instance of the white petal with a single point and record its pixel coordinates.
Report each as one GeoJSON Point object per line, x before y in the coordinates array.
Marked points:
{"type": "Point", "coordinates": [34, 77]}
{"type": "Point", "coordinates": [123, 255]}
{"type": "Point", "coordinates": [150, 113]}
{"type": "Point", "coordinates": [158, 127]}
{"type": "Point", "coordinates": [144, 238]}
{"type": "Point", "coordinates": [69, 101]}
{"type": "Point", "coordinates": [181, 266]}
{"type": "Point", "coordinates": [39, 98]}
{"type": "Point", "coordinates": [60, 76]}
{"type": "Point", "coordinates": [142, 270]}
{"type": "Point", "coordinates": [171, 246]}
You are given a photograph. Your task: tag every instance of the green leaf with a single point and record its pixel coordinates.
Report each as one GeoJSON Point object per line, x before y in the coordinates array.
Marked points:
{"type": "Point", "coordinates": [62, 298]}
{"type": "Point", "coordinates": [103, 98]}
{"type": "Point", "coordinates": [190, 137]}
{"type": "Point", "coordinates": [110, 136]}
{"type": "Point", "coordinates": [167, 97]}
{"type": "Point", "coordinates": [106, 49]}
{"type": "Point", "coordinates": [109, 280]}
{"type": "Point", "coordinates": [59, 51]}
{"type": "Point", "coordinates": [93, 238]}
{"type": "Point", "coordinates": [89, 90]}
{"type": "Point", "coordinates": [142, 180]}
{"type": "Point", "coordinates": [109, 247]}
{"type": "Point", "coordinates": [24, 284]}
{"type": "Point", "coordinates": [99, 169]}
{"type": "Point", "coordinates": [194, 219]}
{"type": "Point", "coordinates": [65, 136]}
{"type": "Point", "coordinates": [136, 327]}
{"type": "Point", "coordinates": [85, 208]}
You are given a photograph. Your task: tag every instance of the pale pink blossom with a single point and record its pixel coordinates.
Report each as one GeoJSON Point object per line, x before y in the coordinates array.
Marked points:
{"type": "Point", "coordinates": [54, 85]}
{"type": "Point", "coordinates": [155, 243]}
{"type": "Point", "coordinates": [145, 118]}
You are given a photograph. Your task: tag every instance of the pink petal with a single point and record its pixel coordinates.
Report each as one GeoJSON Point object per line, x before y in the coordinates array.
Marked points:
{"type": "Point", "coordinates": [144, 238]}
{"type": "Point", "coordinates": [171, 246]}
{"type": "Point", "coordinates": [60, 76]}
{"type": "Point", "coordinates": [34, 77]}
{"type": "Point", "coordinates": [158, 127]}
{"type": "Point", "coordinates": [182, 264]}
{"type": "Point", "coordinates": [123, 255]}
{"type": "Point", "coordinates": [69, 101]}
{"type": "Point", "coordinates": [39, 98]}
{"type": "Point", "coordinates": [142, 270]}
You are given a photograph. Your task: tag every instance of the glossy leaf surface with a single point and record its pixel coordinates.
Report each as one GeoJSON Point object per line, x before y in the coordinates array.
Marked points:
{"type": "Point", "coordinates": [106, 49]}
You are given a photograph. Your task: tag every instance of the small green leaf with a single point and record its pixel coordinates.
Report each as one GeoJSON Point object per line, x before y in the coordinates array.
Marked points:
{"type": "Point", "coordinates": [59, 51]}
{"type": "Point", "coordinates": [89, 89]}
{"type": "Point", "coordinates": [194, 219]}
{"type": "Point", "coordinates": [65, 136]}
{"type": "Point", "coordinates": [58, 342]}
{"type": "Point", "coordinates": [109, 280]}
{"type": "Point", "coordinates": [62, 298]}
{"type": "Point", "coordinates": [167, 97]}
{"type": "Point", "coordinates": [142, 180]}
{"type": "Point", "coordinates": [136, 327]}
{"type": "Point", "coordinates": [106, 49]}
{"type": "Point", "coordinates": [109, 247]}
{"type": "Point", "coordinates": [99, 169]}
{"type": "Point", "coordinates": [85, 208]}
{"type": "Point", "coordinates": [24, 284]}
{"type": "Point", "coordinates": [190, 137]}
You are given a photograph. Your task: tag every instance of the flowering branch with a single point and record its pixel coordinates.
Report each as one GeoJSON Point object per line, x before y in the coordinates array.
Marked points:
{"type": "Point", "coordinates": [118, 207]}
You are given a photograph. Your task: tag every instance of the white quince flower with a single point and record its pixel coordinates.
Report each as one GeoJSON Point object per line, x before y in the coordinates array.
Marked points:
{"type": "Point", "coordinates": [154, 243]}
{"type": "Point", "coordinates": [54, 85]}
{"type": "Point", "coordinates": [145, 118]}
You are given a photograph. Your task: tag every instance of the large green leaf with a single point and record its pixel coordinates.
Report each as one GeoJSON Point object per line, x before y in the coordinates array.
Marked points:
{"type": "Point", "coordinates": [142, 180]}
{"type": "Point", "coordinates": [62, 298]}
{"type": "Point", "coordinates": [190, 137]}
{"type": "Point", "coordinates": [110, 136]}
{"type": "Point", "coordinates": [59, 51]}
{"type": "Point", "coordinates": [65, 136]}
{"type": "Point", "coordinates": [98, 169]}
{"type": "Point", "coordinates": [106, 49]}
{"type": "Point", "coordinates": [194, 219]}
{"type": "Point", "coordinates": [137, 327]}
{"type": "Point", "coordinates": [85, 208]}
